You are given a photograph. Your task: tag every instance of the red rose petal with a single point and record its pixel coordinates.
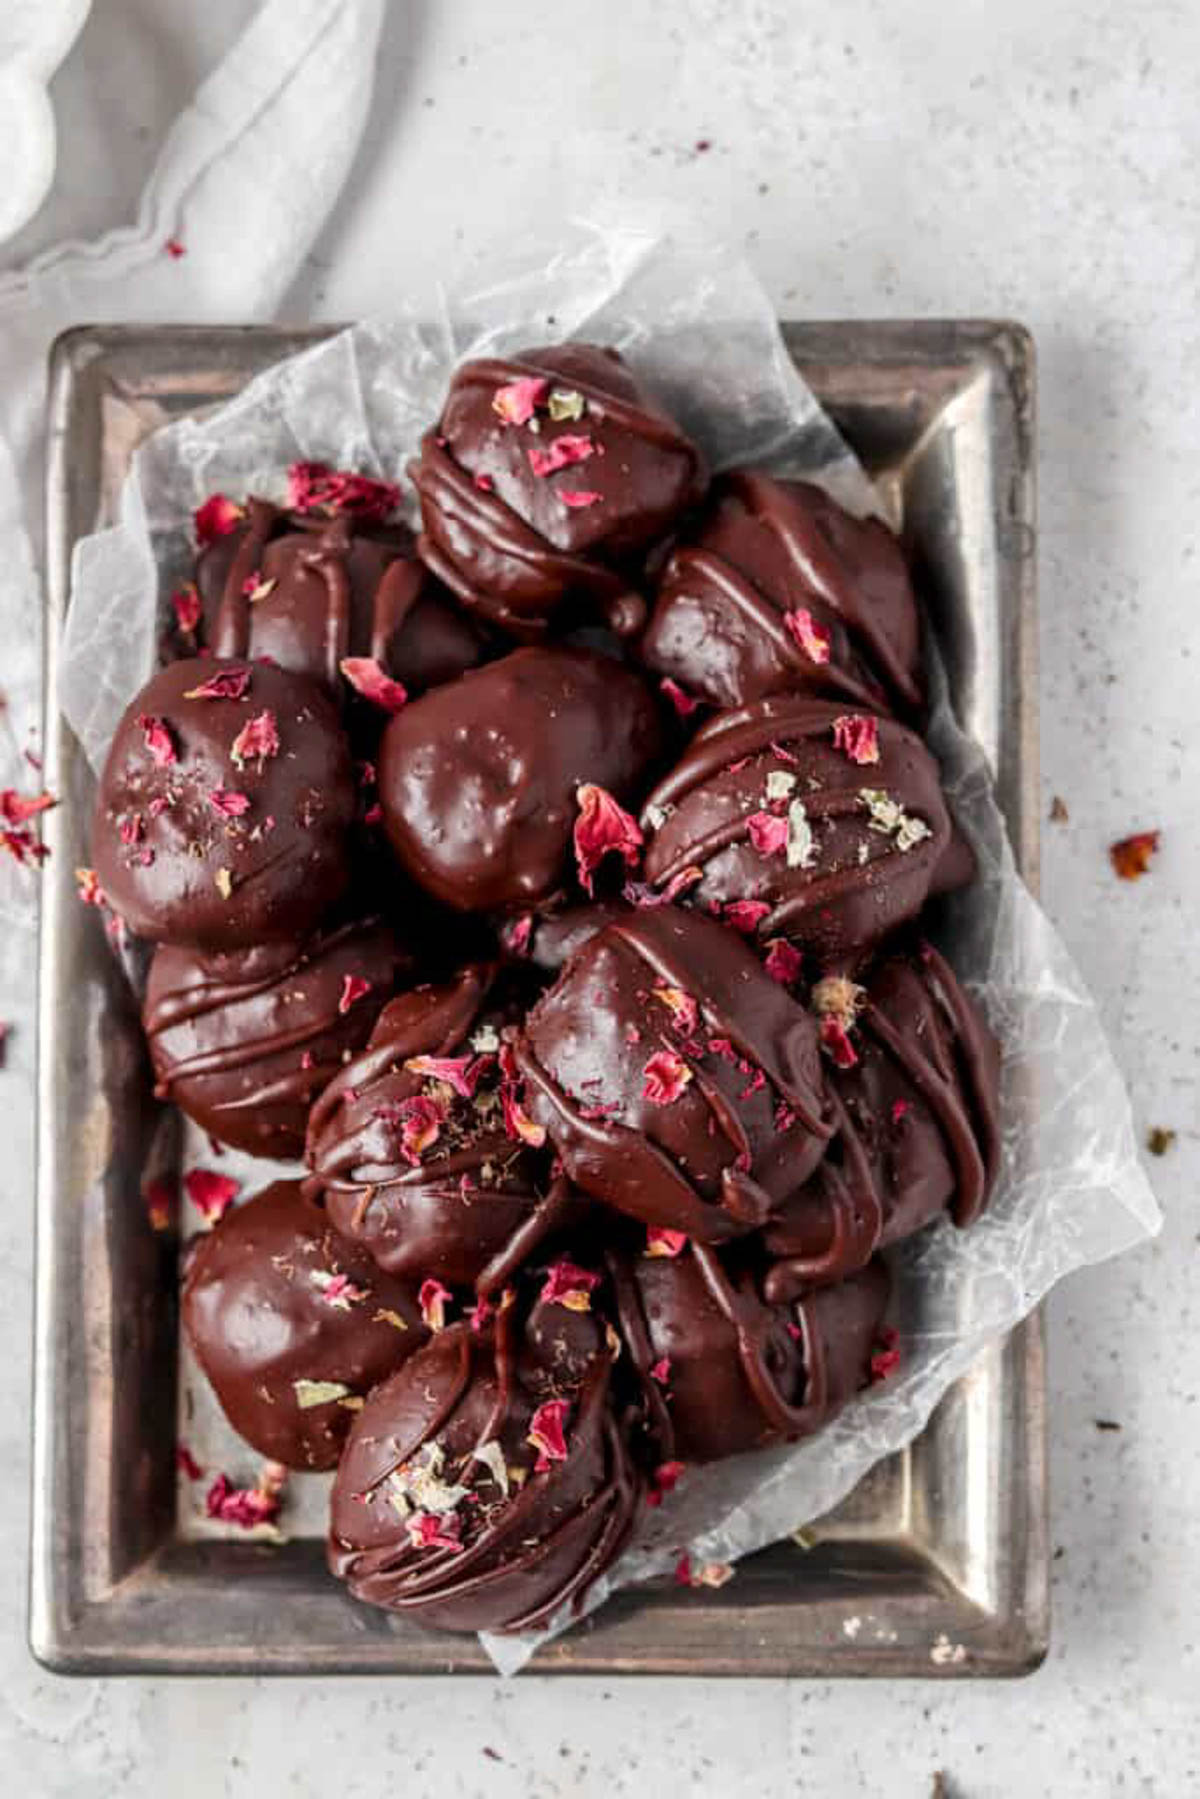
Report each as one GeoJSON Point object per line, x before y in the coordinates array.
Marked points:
{"type": "Point", "coordinates": [1131, 856]}
{"type": "Point", "coordinates": [90, 890]}
{"type": "Point", "coordinates": [246, 1506]}
{"type": "Point", "coordinates": [900, 1110]}
{"type": "Point", "coordinates": [666, 1076]}
{"type": "Point", "coordinates": [517, 1123]}
{"type": "Point", "coordinates": [663, 1242]}
{"type": "Point", "coordinates": [767, 833]}
{"type": "Point", "coordinates": [835, 1040]}
{"type": "Point", "coordinates": [660, 1371]}
{"type": "Point", "coordinates": [578, 497]}
{"type": "Point", "coordinates": [434, 1530]}
{"type": "Point", "coordinates": [366, 677]}
{"type": "Point", "coordinates": [886, 1358]}
{"type": "Point", "coordinates": [314, 485]}
{"type": "Point", "coordinates": [228, 802]}
{"type": "Point", "coordinates": [420, 1119]}
{"type": "Point", "coordinates": [745, 915]}
{"type": "Point", "coordinates": [175, 249]}
{"type": "Point", "coordinates": [211, 1193]}
{"type": "Point", "coordinates": [682, 1006]}
{"type": "Point", "coordinates": [186, 1462]}
{"type": "Point", "coordinates": [602, 827]}
{"type": "Point", "coordinates": [186, 606]}
{"type": "Point", "coordinates": [569, 1285]}
{"type": "Point", "coordinates": [216, 518]}
{"type": "Point", "coordinates": [256, 740]}
{"type": "Point", "coordinates": [664, 1480]}
{"type": "Point", "coordinates": [547, 1430]}
{"type": "Point", "coordinates": [17, 808]}
{"type": "Point", "coordinates": [460, 1072]}
{"type": "Point", "coordinates": [857, 736]}
{"type": "Point", "coordinates": [517, 934]}
{"type": "Point", "coordinates": [783, 961]}
{"type": "Point", "coordinates": [433, 1298]}
{"type": "Point", "coordinates": [565, 451]}
{"type": "Point", "coordinates": [684, 703]}
{"type": "Point", "coordinates": [159, 741]}
{"type": "Point", "coordinates": [230, 684]}
{"type": "Point", "coordinates": [517, 401]}
{"type": "Point", "coordinates": [479, 1314]}
{"type": "Point", "coordinates": [812, 638]}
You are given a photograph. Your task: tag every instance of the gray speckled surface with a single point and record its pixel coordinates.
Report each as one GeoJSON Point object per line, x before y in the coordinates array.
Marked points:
{"type": "Point", "coordinates": [1036, 161]}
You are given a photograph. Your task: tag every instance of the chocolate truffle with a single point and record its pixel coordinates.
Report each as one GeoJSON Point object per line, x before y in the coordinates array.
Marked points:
{"type": "Point", "coordinates": [676, 1079]}
{"type": "Point", "coordinates": [488, 1483]}
{"type": "Point", "coordinates": [423, 1151]}
{"type": "Point", "coordinates": [293, 1325]}
{"type": "Point", "coordinates": [914, 1081]}
{"type": "Point", "coordinates": [224, 807]}
{"type": "Point", "coordinates": [478, 780]}
{"type": "Point", "coordinates": [549, 475]}
{"type": "Point", "coordinates": [244, 1042]}
{"type": "Point", "coordinates": [549, 940]}
{"type": "Point", "coordinates": [310, 592]}
{"type": "Point", "coordinates": [777, 590]}
{"type": "Point", "coordinates": [806, 821]}
{"type": "Point", "coordinates": [725, 1370]}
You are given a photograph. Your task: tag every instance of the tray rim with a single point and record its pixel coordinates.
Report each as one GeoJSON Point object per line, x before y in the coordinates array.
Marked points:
{"type": "Point", "coordinates": [61, 1644]}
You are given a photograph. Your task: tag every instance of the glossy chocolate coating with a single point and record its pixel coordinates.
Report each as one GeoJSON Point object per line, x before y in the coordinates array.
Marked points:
{"type": "Point", "coordinates": [742, 1373]}
{"type": "Point", "coordinates": [555, 936]}
{"type": "Point", "coordinates": [283, 860]}
{"type": "Point", "coordinates": [525, 1552]}
{"type": "Point", "coordinates": [274, 1297]}
{"type": "Point", "coordinates": [502, 537]}
{"type": "Point", "coordinates": [477, 1201]}
{"type": "Point", "coordinates": [856, 883]}
{"type": "Point", "coordinates": [477, 779]}
{"type": "Point", "coordinates": [766, 548]}
{"type": "Point", "coordinates": [743, 1133]}
{"type": "Point", "coordinates": [244, 1042]}
{"type": "Point", "coordinates": [334, 590]}
{"type": "Point", "coordinates": [918, 1127]}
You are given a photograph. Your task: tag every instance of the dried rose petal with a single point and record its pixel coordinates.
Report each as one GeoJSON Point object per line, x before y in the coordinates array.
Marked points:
{"type": "Point", "coordinates": [90, 890]}
{"type": "Point", "coordinates": [246, 1506]}
{"type": "Point", "coordinates": [159, 741]}
{"type": "Point", "coordinates": [256, 740]}
{"type": "Point", "coordinates": [569, 1285]}
{"type": "Point", "coordinates": [353, 987]}
{"type": "Point", "coordinates": [602, 826]}
{"type": "Point", "coordinates": [186, 1462]}
{"type": "Point", "coordinates": [517, 401]}
{"type": "Point", "coordinates": [900, 1110]}
{"type": "Point", "coordinates": [744, 915]}
{"type": "Point", "coordinates": [682, 1007]}
{"type": "Point", "coordinates": [857, 736]}
{"type": "Point", "coordinates": [517, 934]}
{"type": "Point", "coordinates": [421, 1121]}
{"type": "Point", "coordinates": [460, 1072]}
{"type": "Point", "coordinates": [17, 808]}
{"type": "Point", "coordinates": [886, 1358]}
{"type": "Point", "coordinates": [660, 1371]}
{"type": "Point", "coordinates": [175, 249]}
{"type": "Point", "coordinates": [783, 961]}
{"type": "Point", "coordinates": [1131, 856]}
{"type": "Point", "coordinates": [433, 1299]}
{"type": "Point", "coordinates": [228, 802]}
{"type": "Point", "coordinates": [663, 1481]}
{"type": "Point", "coordinates": [579, 497]}
{"type": "Point", "coordinates": [518, 1124]}
{"type": "Point", "coordinates": [229, 684]}
{"type": "Point", "coordinates": [662, 1242]}
{"type": "Point", "coordinates": [434, 1530]}
{"type": "Point", "coordinates": [480, 1312]}
{"type": "Point", "coordinates": [313, 485]}
{"type": "Point", "coordinates": [211, 1193]}
{"type": "Point", "coordinates": [836, 1042]}
{"type": "Point", "coordinates": [684, 703]}
{"type": "Point", "coordinates": [683, 1572]}
{"type": "Point", "coordinates": [547, 1432]}
{"type": "Point", "coordinates": [484, 482]}
{"type": "Point", "coordinates": [185, 604]}
{"type": "Point", "coordinates": [570, 448]}
{"type": "Point", "coordinates": [366, 677]}
{"type": "Point", "coordinates": [666, 1076]}
{"type": "Point", "coordinates": [216, 518]}
{"type": "Point", "coordinates": [768, 834]}
{"type": "Point", "coordinates": [812, 638]}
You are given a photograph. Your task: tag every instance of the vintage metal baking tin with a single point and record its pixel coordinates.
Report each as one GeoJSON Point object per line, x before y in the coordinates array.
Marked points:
{"type": "Point", "coordinates": [936, 1565]}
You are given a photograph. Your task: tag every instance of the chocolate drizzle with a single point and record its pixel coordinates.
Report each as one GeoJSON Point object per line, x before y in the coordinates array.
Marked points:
{"type": "Point", "coordinates": [855, 883]}
{"type": "Point", "coordinates": [665, 1164]}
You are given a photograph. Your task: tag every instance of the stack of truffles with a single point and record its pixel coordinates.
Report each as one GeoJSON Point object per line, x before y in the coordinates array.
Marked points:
{"type": "Point", "coordinates": [551, 883]}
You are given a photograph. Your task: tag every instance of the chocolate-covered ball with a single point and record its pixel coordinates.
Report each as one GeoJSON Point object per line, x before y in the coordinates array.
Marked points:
{"type": "Point", "coordinates": [490, 1482]}
{"type": "Point", "coordinates": [478, 779]}
{"type": "Point", "coordinates": [914, 1078]}
{"type": "Point", "coordinates": [244, 1042]}
{"type": "Point", "coordinates": [422, 1148]}
{"type": "Point", "coordinates": [548, 477]}
{"type": "Point", "coordinates": [725, 1370]}
{"type": "Point", "coordinates": [551, 938]}
{"type": "Point", "coordinates": [795, 818]}
{"type": "Point", "coordinates": [309, 592]}
{"type": "Point", "coordinates": [293, 1325]}
{"type": "Point", "coordinates": [676, 1079]}
{"type": "Point", "coordinates": [777, 589]}
{"type": "Point", "coordinates": [224, 807]}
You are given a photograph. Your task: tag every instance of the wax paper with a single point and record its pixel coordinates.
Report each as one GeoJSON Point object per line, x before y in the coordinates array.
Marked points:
{"type": "Point", "coordinates": [698, 329]}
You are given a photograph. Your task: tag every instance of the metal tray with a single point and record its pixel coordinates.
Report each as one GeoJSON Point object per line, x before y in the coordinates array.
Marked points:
{"type": "Point", "coordinates": [935, 1565]}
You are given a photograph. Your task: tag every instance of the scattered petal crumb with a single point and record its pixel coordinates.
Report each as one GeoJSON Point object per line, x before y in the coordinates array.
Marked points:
{"type": "Point", "coordinates": [1159, 1140]}
{"type": "Point", "coordinates": [175, 249]}
{"type": "Point", "coordinates": [1058, 811]}
{"type": "Point", "coordinates": [1130, 856]}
